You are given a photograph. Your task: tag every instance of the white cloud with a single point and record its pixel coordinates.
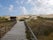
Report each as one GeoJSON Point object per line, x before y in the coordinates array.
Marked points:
{"type": "Point", "coordinates": [24, 10]}
{"type": "Point", "coordinates": [32, 2]}
{"type": "Point", "coordinates": [41, 6]}
{"type": "Point", "coordinates": [17, 2]}
{"type": "Point", "coordinates": [20, 2]}
{"type": "Point", "coordinates": [11, 7]}
{"type": "Point", "coordinates": [50, 2]}
{"type": "Point", "coordinates": [29, 1]}
{"type": "Point", "coordinates": [38, 7]}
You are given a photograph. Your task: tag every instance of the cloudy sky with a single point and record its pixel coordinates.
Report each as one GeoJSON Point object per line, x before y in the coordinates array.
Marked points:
{"type": "Point", "coordinates": [26, 7]}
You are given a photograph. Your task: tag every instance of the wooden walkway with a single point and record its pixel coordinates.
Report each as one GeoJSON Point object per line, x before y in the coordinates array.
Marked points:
{"type": "Point", "coordinates": [16, 33]}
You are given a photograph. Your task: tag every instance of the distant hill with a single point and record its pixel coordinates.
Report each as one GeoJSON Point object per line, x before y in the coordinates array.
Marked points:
{"type": "Point", "coordinates": [48, 16]}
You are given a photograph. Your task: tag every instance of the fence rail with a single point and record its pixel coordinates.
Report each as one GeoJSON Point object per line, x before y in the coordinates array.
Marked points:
{"type": "Point", "coordinates": [31, 32]}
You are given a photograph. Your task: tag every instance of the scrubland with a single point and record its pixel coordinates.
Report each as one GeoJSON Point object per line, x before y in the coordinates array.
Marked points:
{"type": "Point", "coordinates": [42, 28]}
{"type": "Point", "coordinates": [5, 25]}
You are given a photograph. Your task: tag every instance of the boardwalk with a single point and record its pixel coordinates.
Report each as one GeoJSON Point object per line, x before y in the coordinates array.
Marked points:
{"type": "Point", "coordinates": [16, 33]}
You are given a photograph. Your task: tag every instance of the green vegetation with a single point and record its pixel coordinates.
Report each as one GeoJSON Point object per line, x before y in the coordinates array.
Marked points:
{"type": "Point", "coordinates": [42, 28]}
{"type": "Point", "coordinates": [5, 25]}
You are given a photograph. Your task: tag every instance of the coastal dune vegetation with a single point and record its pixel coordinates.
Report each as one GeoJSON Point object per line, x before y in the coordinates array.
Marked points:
{"type": "Point", "coordinates": [5, 25]}
{"type": "Point", "coordinates": [42, 27]}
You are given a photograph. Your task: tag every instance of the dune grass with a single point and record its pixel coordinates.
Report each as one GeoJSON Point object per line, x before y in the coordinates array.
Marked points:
{"type": "Point", "coordinates": [42, 28]}
{"type": "Point", "coordinates": [5, 26]}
